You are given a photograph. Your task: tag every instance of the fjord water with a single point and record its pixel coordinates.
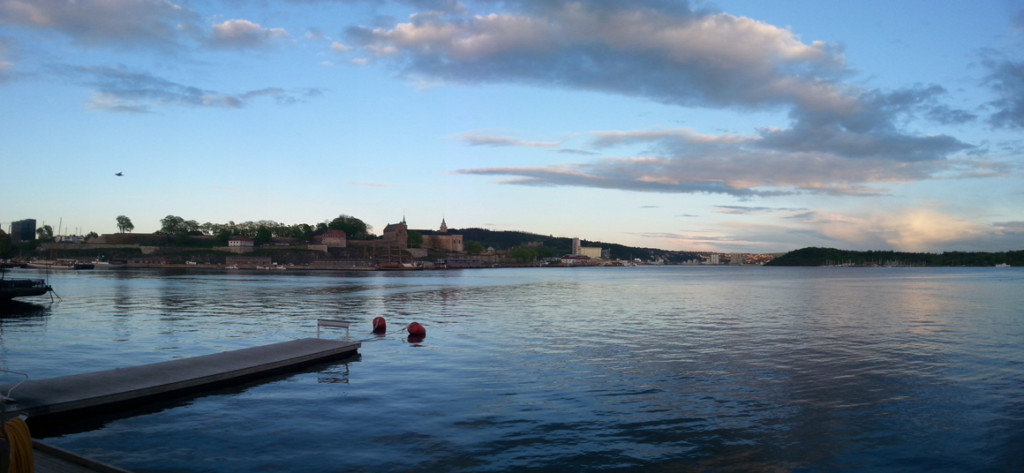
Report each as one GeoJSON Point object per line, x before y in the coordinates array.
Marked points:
{"type": "Point", "coordinates": [583, 369]}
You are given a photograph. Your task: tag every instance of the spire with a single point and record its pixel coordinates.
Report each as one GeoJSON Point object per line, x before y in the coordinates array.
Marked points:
{"type": "Point", "coordinates": [444, 226]}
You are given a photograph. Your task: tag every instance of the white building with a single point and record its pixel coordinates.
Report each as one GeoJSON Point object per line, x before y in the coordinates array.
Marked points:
{"type": "Point", "coordinates": [589, 251]}
{"type": "Point", "coordinates": [239, 241]}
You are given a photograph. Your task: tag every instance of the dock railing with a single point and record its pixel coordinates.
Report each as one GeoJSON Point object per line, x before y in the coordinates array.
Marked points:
{"type": "Point", "coordinates": [331, 323]}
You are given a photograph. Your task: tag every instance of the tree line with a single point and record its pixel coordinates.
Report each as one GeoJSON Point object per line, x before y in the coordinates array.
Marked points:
{"type": "Point", "coordinates": [262, 231]}
{"type": "Point", "coordinates": [831, 256]}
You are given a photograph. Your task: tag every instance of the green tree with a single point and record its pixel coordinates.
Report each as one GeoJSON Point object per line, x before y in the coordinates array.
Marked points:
{"type": "Point", "coordinates": [124, 224]}
{"type": "Point", "coordinates": [222, 234]}
{"type": "Point", "coordinates": [302, 231]}
{"type": "Point", "coordinates": [263, 235]}
{"type": "Point", "coordinates": [178, 228]}
{"type": "Point", "coordinates": [523, 254]}
{"type": "Point", "coordinates": [415, 239]}
{"type": "Point", "coordinates": [44, 233]}
{"type": "Point", "coordinates": [354, 228]}
{"type": "Point", "coordinates": [473, 247]}
{"type": "Point", "coordinates": [5, 244]}
{"type": "Point", "coordinates": [544, 252]}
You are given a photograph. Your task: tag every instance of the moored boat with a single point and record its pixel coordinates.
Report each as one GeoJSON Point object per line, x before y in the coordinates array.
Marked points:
{"type": "Point", "coordinates": [11, 288]}
{"type": "Point", "coordinates": [397, 266]}
{"type": "Point", "coordinates": [59, 264]}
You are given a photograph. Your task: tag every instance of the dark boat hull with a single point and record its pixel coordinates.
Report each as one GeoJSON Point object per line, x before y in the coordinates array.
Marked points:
{"type": "Point", "coordinates": [11, 288]}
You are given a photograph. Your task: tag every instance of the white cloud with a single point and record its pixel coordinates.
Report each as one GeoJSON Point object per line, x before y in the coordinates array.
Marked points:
{"type": "Point", "coordinates": [916, 229]}
{"type": "Point", "coordinates": [842, 139]}
{"type": "Point", "coordinates": [488, 140]}
{"type": "Point", "coordinates": [121, 23]}
{"type": "Point", "coordinates": [244, 34]}
{"type": "Point", "coordinates": [123, 90]}
{"type": "Point", "coordinates": [339, 48]}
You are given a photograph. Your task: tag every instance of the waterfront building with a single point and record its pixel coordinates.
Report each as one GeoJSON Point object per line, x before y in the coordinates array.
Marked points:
{"type": "Point", "coordinates": [396, 235]}
{"type": "Point", "coordinates": [442, 240]}
{"type": "Point", "coordinates": [23, 230]}
{"type": "Point", "coordinates": [577, 260]}
{"type": "Point", "coordinates": [334, 239]}
{"type": "Point", "coordinates": [578, 249]}
{"type": "Point", "coordinates": [239, 241]}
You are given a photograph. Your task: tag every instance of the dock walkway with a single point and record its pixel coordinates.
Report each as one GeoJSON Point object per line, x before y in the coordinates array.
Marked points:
{"type": "Point", "coordinates": [105, 389]}
{"type": "Point", "coordinates": [50, 459]}
{"type": "Point", "coordinates": [101, 391]}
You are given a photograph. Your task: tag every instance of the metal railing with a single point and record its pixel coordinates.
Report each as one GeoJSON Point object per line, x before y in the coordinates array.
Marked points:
{"type": "Point", "coordinates": [331, 323]}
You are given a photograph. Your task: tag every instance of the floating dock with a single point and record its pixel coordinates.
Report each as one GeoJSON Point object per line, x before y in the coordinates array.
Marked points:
{"type": "Point", "coordinates": [49, 400]}
{"type": "Point", "coordinates": [105, 390]}
{"type": "Point", "coordinates": [50, 459]}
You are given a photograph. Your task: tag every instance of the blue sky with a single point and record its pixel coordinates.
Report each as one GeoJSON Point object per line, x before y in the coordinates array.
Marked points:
{"type": "Point", "coordinates": [716, 126]}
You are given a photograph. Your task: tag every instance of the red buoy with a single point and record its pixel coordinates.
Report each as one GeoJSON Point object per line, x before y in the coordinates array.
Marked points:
{"type": "Point", "coordinates": [379, 325]}
{"type": "Point", "coordinates": [416, 330]}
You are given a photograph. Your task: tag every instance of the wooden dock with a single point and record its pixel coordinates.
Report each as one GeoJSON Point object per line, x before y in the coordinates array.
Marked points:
{"type": "Point", "coordinates": [107, 389]}
{"type": "Point", "coordinates": [52, 399]}
{"type": "Point", "coordinates": [50, 459]}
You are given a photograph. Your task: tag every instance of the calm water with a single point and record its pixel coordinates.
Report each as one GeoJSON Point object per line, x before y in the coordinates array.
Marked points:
{"type": "Point", "coordinates": [527, 370]}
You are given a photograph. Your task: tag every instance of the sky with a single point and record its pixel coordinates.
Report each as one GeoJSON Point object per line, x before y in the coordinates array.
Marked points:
{"type": "Point", "coordinates": [727, 126]}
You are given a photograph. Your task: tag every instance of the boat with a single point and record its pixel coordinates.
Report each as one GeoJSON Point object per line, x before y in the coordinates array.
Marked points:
{"type": "Point", "coordinates": [60, 264]}
{"type": "Point", "coordinates": [399, 266]}
{"type": "Point", "coordinates": [1002, 265]}
{"type": "Point", "coordinates": [97, 264]}
{"type": "Point", "coordinates": [11, 288]}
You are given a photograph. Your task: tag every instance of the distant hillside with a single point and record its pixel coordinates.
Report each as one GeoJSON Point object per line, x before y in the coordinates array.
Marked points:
{"type": "Point", "coordinates": [832, 256]}
{"type": "Point", "coordinates": [505, 240]}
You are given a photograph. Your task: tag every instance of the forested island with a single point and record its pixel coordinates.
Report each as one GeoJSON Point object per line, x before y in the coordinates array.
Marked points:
{"type": "Point", "coordinates": [834, 257]}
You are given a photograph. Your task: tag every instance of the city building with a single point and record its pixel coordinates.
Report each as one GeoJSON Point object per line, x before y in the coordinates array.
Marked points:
{"type": "Point", "coordinates": [396, 235]}
{"type": "Point", "coordinates": [239, 241]}
{"type": "Point", "coordinates": [588, 251]}
{"type": "Point", "coordinates": [442, 240]}
{"type": "Point", "coordinates": [334, 239]}
{"type": "Point", "coordinates": [23, 230]}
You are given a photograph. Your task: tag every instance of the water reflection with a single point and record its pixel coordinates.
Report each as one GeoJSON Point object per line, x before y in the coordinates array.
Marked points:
{"type": "Point", "coordinates": [14, 309]}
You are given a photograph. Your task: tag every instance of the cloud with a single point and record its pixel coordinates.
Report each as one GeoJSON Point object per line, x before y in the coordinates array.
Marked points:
{"type": "Point", "coordinates": [486, 140]}
{"type": "Point", "coordinates": [744, 210]}
{"type": "Point", "coordinates": [123, 23]}
{"type": "Point", "coordinates": [371, 184]}
{"type": "Point", "coordinates": [673, 56]}
{"type": "Point", "coordinates": [134, 24]}
{"type": "Point", "coordinates": [684, 161]}
{"type": "Point", "coordinates": [842, 139]}
{"type": "Point", "coordinates": [244, 34]}
{"type": "Point", "coordinates": [121, 90]}
{"type": "Point", "coordinates": [918, 229]}
{"type": "Point", "coordinates": [868, 130]}
{"type": "Point", "coordinates": [1006, 79]}
{"type": "Point", "coordinates": [5, 66]}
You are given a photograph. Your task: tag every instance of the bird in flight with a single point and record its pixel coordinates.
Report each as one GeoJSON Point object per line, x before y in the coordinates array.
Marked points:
{"type": "Point", "coordinates": [119, 174]}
